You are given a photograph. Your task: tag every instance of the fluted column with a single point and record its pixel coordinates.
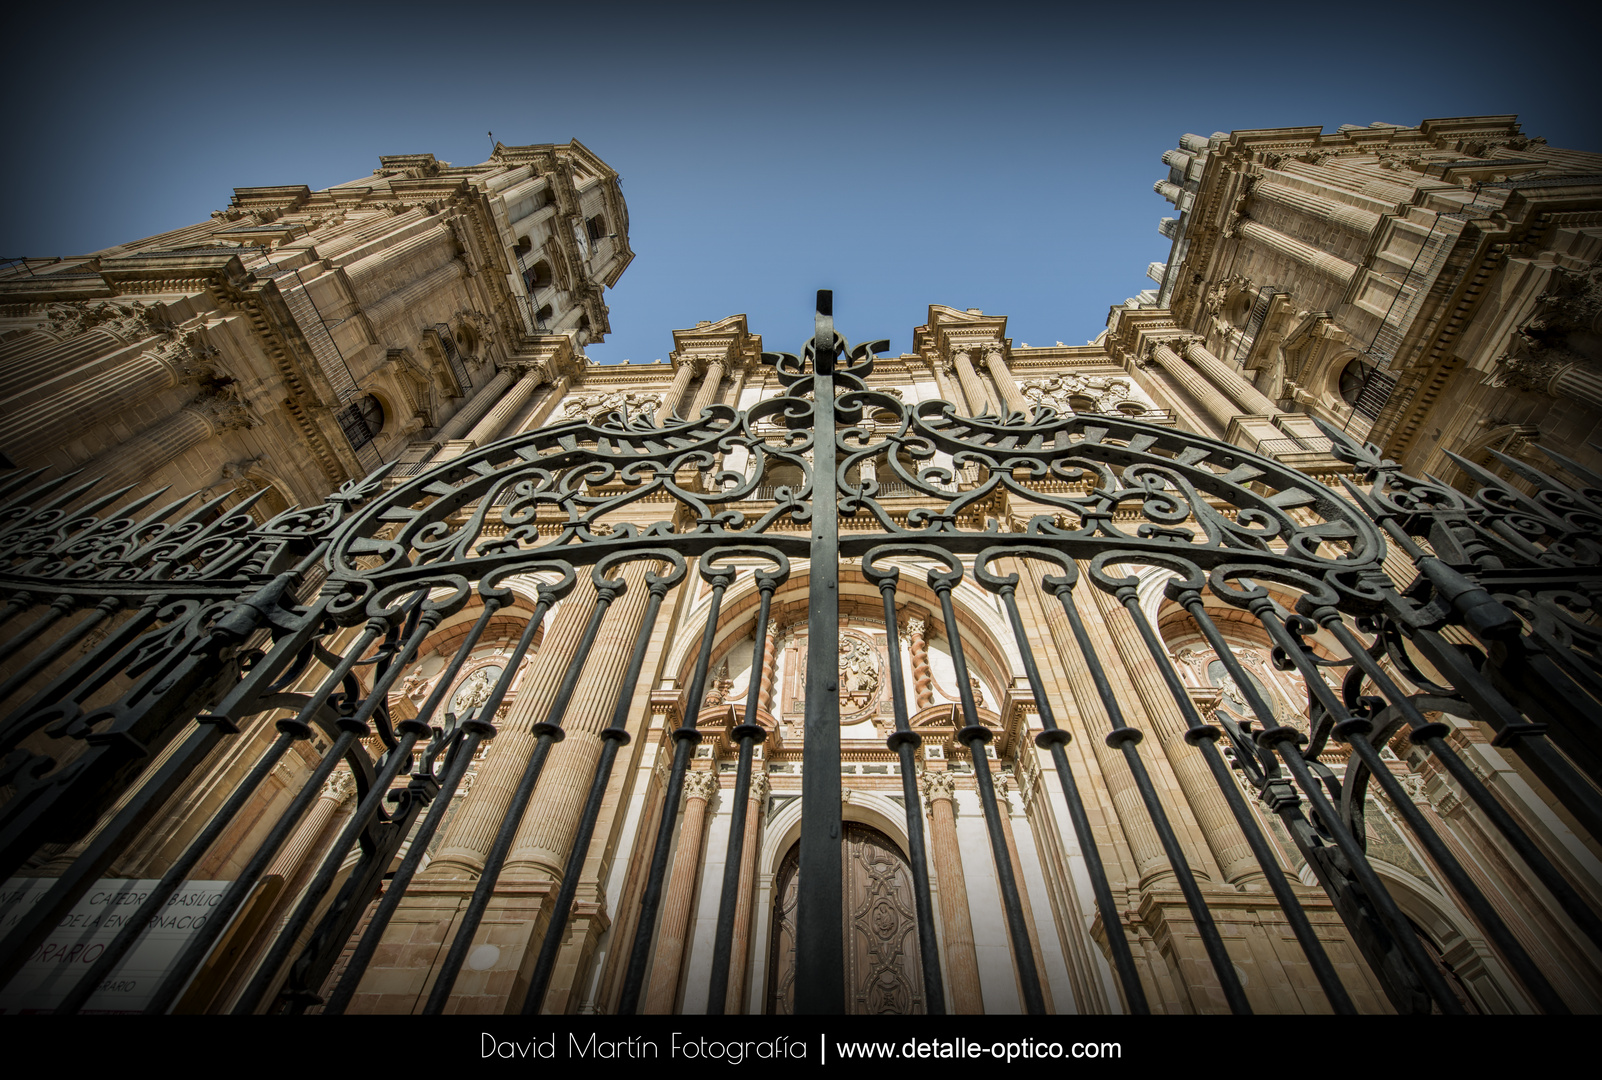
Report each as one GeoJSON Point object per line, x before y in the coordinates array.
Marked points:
{"type": "Point", "coordinates": [1231, 382]}
{"type": "Point", "coordinates": [38, 357]}
{"type": "Point", "coordinates": [740, 953]}
{"type": "Point", "coordinates": [29, 432]}
{"type": "Point", "coordinates": [364, 271]}
{"type": "Point", "coordinates": [681, 381]}
{"type": "Point", "coordinates": [922, 680]}
{"type": "Point", "coordinates": [474, 409]}
{"type": "Point", "coordinates": [547, 404]}
{"type": "Point", "coordinates": [699, 787]}
{"type": "Point", "coordinates": [470, 833]}
{"type": "Point", "coordinates": [708, 391]}
{"type": "Point", "coordinates": [1314, 206]}
{"type": "Point", "coordinates": [1582, 382]}
{"type": "Point", "coordinates": [547, 829]}
{"type": "Point", "coordinates": [962, 960]}
{"type": "Point", "coordinates": [368, 232]}
{"type": "Point", "coordinates": [512, 401]}
{"type": "Point", "coordinates": [407, 296]}
{"type": "Point", "coordinates": [1161, 717]}
{"type": "Point", "coordinates": [973, 388]}
{"type": "Point", "coordinates": [1219, 408]}
{"type": "Point", "coordinates": [1309, 256]}
{"type": "Point", "coordinates": [145, 453]}
{"type": "Point", "coordinates": [336, 792]}
{"type": "Point", "coordinates": [1010, 394]}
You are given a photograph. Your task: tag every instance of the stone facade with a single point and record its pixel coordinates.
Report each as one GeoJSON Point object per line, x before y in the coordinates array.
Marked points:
{"type": "Point", "coordinates": [424, 254]}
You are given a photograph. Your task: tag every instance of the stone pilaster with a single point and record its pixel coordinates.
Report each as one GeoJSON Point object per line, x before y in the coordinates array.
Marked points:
{"type": "Point", "coordinates": [409, 295]}
{"type": "Point", "coordinates": [143, 455]}
{"type": "Point", "coordinates": [1004, 804]}
{"type": "Point", "coordinates": [699, 787]}
{"type": "Point", "coordinates": [338, 790]}
{"type": "Point", "coordinates": [35, 427]}
{"type": "Point", "coordinates": [740, 953]}
{"type": "Point", "coordinates": [962, 960]}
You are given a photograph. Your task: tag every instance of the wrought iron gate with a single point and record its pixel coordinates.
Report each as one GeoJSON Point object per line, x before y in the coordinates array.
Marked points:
{"type": "Point", "coordinates": [206, 620]}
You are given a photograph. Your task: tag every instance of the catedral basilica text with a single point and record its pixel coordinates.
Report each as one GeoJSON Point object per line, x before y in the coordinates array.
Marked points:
{"type": "Point", "coordinates": [369, 649]}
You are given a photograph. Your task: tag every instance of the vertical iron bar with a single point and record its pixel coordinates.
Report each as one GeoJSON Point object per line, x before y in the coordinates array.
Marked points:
{"type": "Point", "coordinates": [904, 741]}
{"type": "Point", "coordinates": [616, 736]}
{"type": "Point", "coordinates": [1282, 739]}
{"type": "Point", "coordinates": [1204, 737]}
{"type": "Point", "coordinates": [1430, 736]}
{"type": "Point", "coordinates": [747, 734]}
{"type": "Point", "coordinates": [549, 732]}
{"type": "Point", "coordinates": [101, 612]}
{"type": "Point", "coordinates": [1125, 738]}
{"type": "Point", "coordinates": [685, 739]}
{"type": "Point", "coordinates": [398, 758]}
{"type": "Point", "coordinates": [819, 919]}
{"type": "Point", "coordinates": [974, 735]}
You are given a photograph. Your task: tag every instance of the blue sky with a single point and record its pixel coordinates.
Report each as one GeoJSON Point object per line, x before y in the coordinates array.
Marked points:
{"type": "Point", "coordinates": [996, 156]}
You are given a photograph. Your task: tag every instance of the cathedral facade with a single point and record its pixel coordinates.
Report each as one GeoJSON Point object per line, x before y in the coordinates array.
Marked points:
{"type": "Point", "coordinates": [1427, 289]}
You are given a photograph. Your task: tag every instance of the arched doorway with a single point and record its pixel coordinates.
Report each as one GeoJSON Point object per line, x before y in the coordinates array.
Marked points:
{"type": "Point", "coordinates": [882, 971]}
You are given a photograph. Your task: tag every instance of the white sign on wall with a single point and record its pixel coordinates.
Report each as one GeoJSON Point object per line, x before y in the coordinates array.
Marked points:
{"type": "Point", "coordinates": [83, 934]}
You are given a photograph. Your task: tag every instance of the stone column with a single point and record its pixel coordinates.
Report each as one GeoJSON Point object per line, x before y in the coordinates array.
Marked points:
{"type": "Point", "coordinates": [962, 961]}
{"type": "Point", "coordinates": [336, 791]}
{"type": "Point", "coordinates": [708, 391]}
{"type": "Point", "coordinates": [1004, 804]}
{"type": "Point", "coordinates": [363, 274]}
{"type": "Point", "coordinates": [699, 787]}
{"type": "Point", "coordinates": [1582, 382]}
{"type": "Point", "coordinates": [546, 832]}
{"type": "Point", "coordinates": [740, 954]}
{"type": "Point", "coordinates": [28, 432]}
{"type": "Point", "coordinates": [366, 232]}
{"type": "Point", "coordinates": [1231, 382]}
{"type": "Point", "coordinates": [403, 299]}
{"type": "Point", "coordinates": [140, 457]}
{"type": "Point", "coordinates": [1314, 206]}
{"type": "Point", "coordinates": [973, 388]}
{"type": "Point", "coordinates": [547, 404]}
{"type": "Point", "coordinates": [511, 403]}
{"type": "Point", "coordinates": [675, 394]}
{"type": "Point", "coordinates": [473, 410]}
{"type": "Point", "coordinates": [1218, 408]}
{"type": "Point", "coordinates": [37, 357]}
{"type": "Point", "coordinates": [468, 837]}
{"type": "Point", "coordinates": [1309, 256]}
{"type": "Point", "coordinates": [1010, 394]}
{"type": "Point", "coordinates": [1160, 716]}
{"type": "Point", "coordinates": [922, 680]}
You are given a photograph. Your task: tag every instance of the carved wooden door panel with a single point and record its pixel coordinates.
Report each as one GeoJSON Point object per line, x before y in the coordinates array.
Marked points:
{"type": "Point", "coordinates": [881, 929]}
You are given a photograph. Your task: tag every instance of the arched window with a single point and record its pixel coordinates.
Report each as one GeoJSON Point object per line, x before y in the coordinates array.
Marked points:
{"type": "Point", "coordinates": [595, 227]}
{"type": "Point", "coordinates": [538, 276]}
{"type": "Point", "coordinates": [1351, 380]}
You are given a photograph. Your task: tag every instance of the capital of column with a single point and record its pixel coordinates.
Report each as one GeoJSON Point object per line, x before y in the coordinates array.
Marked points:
{"type": "Point", "coordinates": [221, 412]}
{"type": "Point", "coordinates": [700, 785]}
{"type": "Point", "coordinates": [937, 786]}
{"type": "Point", "coordinates": [339, 787]}
{"type": "Point", "coordinates": [760, 789]}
